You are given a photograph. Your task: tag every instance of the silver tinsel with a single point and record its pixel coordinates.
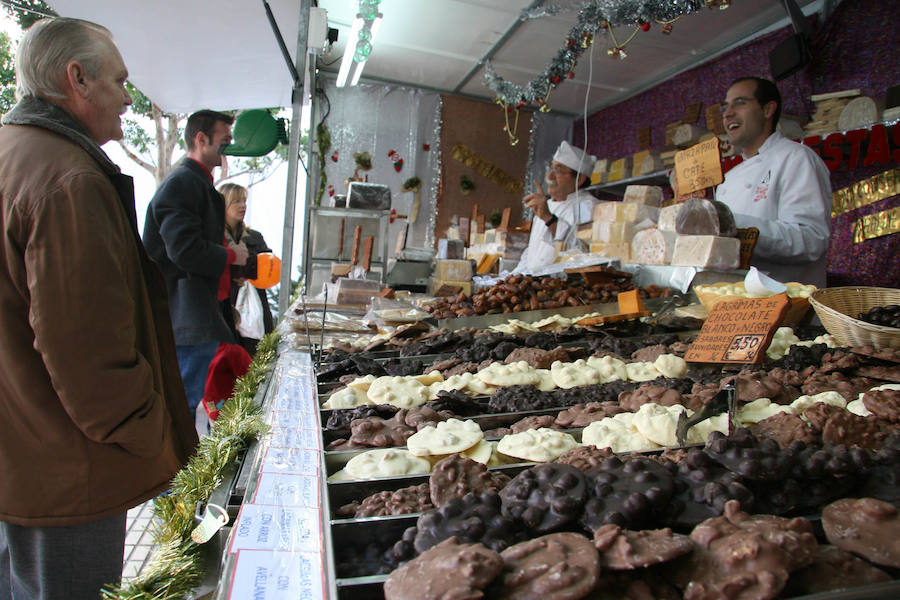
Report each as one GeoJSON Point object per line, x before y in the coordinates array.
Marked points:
{"type": "Point", "coordinates": [435, 179]}
{"type": "Point", "coordinates": [592, 14]}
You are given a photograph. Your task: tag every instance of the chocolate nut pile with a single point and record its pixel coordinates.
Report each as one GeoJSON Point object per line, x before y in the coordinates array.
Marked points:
{"type": "Point", "coordinates": [524, 292]}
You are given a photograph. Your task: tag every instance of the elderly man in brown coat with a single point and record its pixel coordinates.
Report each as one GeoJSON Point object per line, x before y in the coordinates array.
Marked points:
{"type": "Point", "coordinates": [93, 409]}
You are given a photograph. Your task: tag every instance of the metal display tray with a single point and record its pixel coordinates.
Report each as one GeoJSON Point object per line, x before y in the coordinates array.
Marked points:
{"type": "Point", "coordinates": [381, 530]}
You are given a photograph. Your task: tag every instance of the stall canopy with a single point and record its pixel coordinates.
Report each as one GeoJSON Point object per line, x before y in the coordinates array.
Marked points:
{"type": "Point", "coordinates": [190, 54]}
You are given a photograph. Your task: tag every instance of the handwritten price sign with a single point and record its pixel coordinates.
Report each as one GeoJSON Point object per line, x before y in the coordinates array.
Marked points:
{"type": "Point", "coordinates": [738, 331]}
{"type": "Point", "coordinates": [699, 167]}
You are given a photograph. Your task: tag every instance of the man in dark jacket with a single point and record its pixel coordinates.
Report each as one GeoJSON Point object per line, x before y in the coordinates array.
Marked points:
{"type": "Point", "coordinates": [184, 233]}
{"type": "Point", "coordinates": [93, 410]}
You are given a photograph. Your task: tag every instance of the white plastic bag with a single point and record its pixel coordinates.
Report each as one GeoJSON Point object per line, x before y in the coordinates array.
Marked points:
{"type": "Point", "coordinates": [249, 307]}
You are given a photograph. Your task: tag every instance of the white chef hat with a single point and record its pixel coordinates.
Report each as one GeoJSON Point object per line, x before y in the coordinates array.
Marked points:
{"type": "Point", "coordinates": [575, 158]}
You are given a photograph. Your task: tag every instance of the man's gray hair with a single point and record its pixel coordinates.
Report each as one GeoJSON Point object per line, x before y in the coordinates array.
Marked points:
{"type": "Point", "coordinates": [49, 45]}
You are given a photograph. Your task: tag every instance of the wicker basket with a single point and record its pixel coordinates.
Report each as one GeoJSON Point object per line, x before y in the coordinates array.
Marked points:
{"type": "Point", "coordinates": [836, 305]}
{"type": "Point", "coordinates": [797, 308]}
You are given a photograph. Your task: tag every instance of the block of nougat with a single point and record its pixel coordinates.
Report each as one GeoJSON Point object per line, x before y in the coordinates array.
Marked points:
{"type": "Point", "coordinates": [651, 163]}
{"type": "Point", "coordinates": [667, 215]}
{"type": "Point", "coordinates": [601, 165]}
{"type": "Point", "coordinates": [608, 212]}
{"type": "Point", "coordinates": [615, 233]}
{"type": "Point", "coordinates": [453, 270]}
{"type": "Point", "coordinates": [708, 251]}
{"type": "Point", "coordinates": [653, 246]}
{"type": "Point", "coordinates": [620, 250]}
{"type": "Point", "coordinates": [620, 169]}
{"type": "Point", "coordinates": [585, 232]}
{"type": "Point", "coordinates": [699, 216]}
{"type": "Point", "coordinates": [641, 215]}
{"type": "Point", "coordinates": [643, 194]}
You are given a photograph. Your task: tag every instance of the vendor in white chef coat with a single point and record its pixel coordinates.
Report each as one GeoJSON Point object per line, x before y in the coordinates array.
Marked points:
{"type": "Point", "coordinates": [558, 214]}
{"type": "Point", "coordinates": [782, 187]}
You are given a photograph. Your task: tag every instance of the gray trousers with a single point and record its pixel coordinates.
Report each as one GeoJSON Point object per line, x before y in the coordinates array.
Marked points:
{"type": "Point", "coordinates": [61, 563]}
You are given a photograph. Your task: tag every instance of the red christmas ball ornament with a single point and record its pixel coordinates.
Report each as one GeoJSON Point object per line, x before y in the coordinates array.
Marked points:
{"type": "Point", "coordinates": [645, 26]}
{"type": "Point", "coordinates": [667, 28]}
{"type": "Point", "coordinates": [604, 24]}
{"type": "Point", "coordinates": [570, 74]}
{"type": "Point", "coordinates": [570, 43]}
{"type": "Point", "coordinates": [555, 79]}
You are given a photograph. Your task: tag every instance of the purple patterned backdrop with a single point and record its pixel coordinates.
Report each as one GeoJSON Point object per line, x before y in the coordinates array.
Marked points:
{"type": "Point", "coordinates": [858, 46]}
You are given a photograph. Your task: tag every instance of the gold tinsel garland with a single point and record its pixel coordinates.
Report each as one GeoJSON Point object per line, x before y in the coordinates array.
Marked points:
{"type": "Point", "coordinates": [876, 225]}
{"type": "Point", "coordinates": [177, 568]}
{"type": "Point", "coordinates": [865, 192]}
{"type": "Point", "coordinates": [470, 158]}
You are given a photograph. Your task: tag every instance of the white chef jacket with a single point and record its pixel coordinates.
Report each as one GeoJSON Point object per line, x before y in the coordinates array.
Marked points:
{"type": "Point", "coordinates": [785, 192]}
{"type": "Point", "coordinates": [571, 212]}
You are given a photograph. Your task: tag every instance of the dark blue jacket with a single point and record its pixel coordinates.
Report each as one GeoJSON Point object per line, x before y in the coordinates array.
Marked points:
{"type": "Point", "coordinates": [183, 233]}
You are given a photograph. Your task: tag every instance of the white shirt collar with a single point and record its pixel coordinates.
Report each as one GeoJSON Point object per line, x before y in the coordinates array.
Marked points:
{"type": "Point", "coordinates": [770, 141]}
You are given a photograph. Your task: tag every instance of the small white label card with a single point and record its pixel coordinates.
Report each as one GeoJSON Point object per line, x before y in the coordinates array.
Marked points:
{"type": "Point", "coordinates": [286, 434]}
{"type": "Point", "coordinates": [264, 575]}
{"type": "Point", "coordinates": [296, 398]}
{"type": "Point", "coordinates": [287, 490]}
{"type": "Point", "coordinates": [295, 461]}
{"type": "Point", "coordinates": [261, 527]}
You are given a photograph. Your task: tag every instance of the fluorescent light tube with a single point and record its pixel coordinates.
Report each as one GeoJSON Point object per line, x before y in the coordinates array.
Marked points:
{"type": "Point", "coordinates": [349, 51]}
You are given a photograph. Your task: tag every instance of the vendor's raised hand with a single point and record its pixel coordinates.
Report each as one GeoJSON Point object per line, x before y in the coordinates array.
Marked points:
{"type": "Point", "coordinates": [537, 202]}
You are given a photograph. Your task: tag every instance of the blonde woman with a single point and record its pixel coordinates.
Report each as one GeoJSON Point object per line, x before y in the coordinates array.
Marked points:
{"type": "Point", "coordinates": [237, 231]}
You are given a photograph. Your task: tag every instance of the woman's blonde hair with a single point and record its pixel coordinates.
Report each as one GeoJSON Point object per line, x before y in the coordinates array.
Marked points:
{"type": "Point", "coordinates": [233, 192]}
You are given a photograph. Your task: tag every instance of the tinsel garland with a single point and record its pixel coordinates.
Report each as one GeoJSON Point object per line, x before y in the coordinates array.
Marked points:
{"type": "Point", "coordinates": [593, 16]}
{"type": "Point", "coordinates": [177, 566]}
{"type": "Point", "coordinates": [323, 141]}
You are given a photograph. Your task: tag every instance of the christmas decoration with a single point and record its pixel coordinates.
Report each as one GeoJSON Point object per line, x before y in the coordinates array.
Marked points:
{"type": "Point", "coordinates": [323, 142]}
{"type": "Point", "coordinates": [466, 185]}
{"type": "Point", "coordinates": [334, 156]}
{"type": "Point", "coordinates": [426, 147]}
{"type": "Point", "coordinates": [178, 564]}
{"type": "Point", "coordinates": [593, 16]}
{"type": "Point", "coordinates": [395, 158]}
{"type": "Point", "coordinates": [481, 165]}
{"type": "Point", "coordinates": [363, 162]}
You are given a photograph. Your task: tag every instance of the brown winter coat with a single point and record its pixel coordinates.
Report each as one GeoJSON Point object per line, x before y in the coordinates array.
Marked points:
{"type": "Point", "coordinates": [93, 417]}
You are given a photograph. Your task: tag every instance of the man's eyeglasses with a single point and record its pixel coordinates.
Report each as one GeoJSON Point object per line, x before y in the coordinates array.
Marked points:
{"type": "Point", "coordinates": [560, 170]}
{"type": "Point", "coordinates": [738, 102]}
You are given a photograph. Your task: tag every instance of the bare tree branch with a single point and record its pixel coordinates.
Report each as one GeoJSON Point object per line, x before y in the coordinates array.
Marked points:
{"type": "Point", "coordinates": [130, 154]}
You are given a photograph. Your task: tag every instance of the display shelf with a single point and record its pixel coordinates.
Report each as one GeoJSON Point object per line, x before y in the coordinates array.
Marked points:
{"type": "Point", "coordinates": [617, 188]}
{"type": "Point", "coordinates": [323, 239]}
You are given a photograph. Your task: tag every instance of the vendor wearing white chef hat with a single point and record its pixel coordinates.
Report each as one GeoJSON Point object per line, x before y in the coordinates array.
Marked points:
{"type": "Point", "coordinates": [558, 213]}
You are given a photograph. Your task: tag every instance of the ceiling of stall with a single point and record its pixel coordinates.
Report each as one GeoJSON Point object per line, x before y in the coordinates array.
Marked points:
{"type": "Point", "coordinates": [442, 44]}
